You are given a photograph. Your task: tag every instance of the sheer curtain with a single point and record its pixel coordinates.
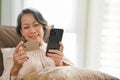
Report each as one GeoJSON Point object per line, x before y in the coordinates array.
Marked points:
{"type": "Point", "coordinates": [110, 38]}
{"type": "Point", "coordinates": [103, 36]}
{"type": "Point", "coordinates": [9, 11]}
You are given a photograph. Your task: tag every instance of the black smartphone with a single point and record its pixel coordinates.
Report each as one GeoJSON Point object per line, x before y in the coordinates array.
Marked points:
{"type": "Point", "coordinates": [54, 39]}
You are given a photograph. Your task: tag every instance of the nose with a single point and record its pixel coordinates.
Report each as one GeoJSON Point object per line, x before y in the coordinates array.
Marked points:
{"type": "Point", "coordinates": [32, 30]}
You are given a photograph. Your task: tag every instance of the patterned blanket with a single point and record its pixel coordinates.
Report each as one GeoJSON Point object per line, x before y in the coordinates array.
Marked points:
{"type": "Point", "coordinates": [68, 73]}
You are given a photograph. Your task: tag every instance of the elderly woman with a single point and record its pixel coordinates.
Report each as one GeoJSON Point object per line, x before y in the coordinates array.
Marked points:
{"type": "Point", "coordinates": [32, 27]}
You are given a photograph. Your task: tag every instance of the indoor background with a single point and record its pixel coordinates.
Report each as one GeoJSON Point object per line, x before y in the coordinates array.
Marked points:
{"type": "Point", "coordinates": [91, 28]}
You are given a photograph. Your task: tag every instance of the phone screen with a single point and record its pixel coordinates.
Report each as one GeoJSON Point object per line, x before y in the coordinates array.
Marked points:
{"type": "Point", "coordinates": [54, 39]}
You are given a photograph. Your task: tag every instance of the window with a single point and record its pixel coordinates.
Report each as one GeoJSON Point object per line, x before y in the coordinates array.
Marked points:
{"type": "Point", "coordinates": [110, 38]}
{"type": "Point", "coordinates": [103, 36]}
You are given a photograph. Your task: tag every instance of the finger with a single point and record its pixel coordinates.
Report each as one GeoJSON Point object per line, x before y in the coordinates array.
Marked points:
{"type": "Point", "coordinates": [61, 46]}
{"type": "Point", "coordinates": [57, 60]}
{"type": "Point", "coordinates": [18, 46]}
{"type": "Point", "coordinates": [23, 56]}
{"type": "Point", "coordinates": [21, 61]}
{"type": "Point", "coordinates": [55, 56]}
{"type": "Point", "coordinates": [55, 52]}
{"type": "Point", "coordinates": [20, 56]}
{"type": "Point", "coordinates": [22, 53]}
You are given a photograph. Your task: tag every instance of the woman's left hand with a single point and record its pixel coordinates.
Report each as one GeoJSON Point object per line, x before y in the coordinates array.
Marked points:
{"type": "Point", "coordinates": [57, 55]}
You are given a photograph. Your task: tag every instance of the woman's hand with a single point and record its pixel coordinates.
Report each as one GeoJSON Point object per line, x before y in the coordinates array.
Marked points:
{"type": "Point", "coordinates": [19, 58]}
{"type": "Point", "coordinates": [57, 55]}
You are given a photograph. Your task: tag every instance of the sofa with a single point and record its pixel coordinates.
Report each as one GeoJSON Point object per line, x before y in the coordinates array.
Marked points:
{"type": "Point", "coordinates": [9, 38]}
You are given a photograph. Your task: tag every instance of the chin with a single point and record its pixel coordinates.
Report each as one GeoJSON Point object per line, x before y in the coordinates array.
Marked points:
{"type": "Point", "coordinates": [32, 40]}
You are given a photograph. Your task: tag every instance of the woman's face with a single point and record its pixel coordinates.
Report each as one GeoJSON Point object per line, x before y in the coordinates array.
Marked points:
{"type": "Point", "coordinates": [31, 29]}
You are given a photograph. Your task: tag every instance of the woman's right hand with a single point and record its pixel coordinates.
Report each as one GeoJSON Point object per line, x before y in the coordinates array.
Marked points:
{"type": "Point", "coordinates": [19, 57]}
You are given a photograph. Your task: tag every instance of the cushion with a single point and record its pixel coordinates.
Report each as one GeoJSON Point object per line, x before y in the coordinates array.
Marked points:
{"type": "Point", "coordinates": [7, 58]}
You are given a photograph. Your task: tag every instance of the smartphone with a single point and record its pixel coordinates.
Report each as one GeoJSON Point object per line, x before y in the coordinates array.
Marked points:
{"type": "Point", "coordinates": [30, 46]}
{"type": "Point", "coordinates": [54, 39]}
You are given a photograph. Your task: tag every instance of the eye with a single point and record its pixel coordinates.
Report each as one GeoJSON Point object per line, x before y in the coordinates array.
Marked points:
{"type": "Point", "coordinates": [25, 27]}
{"type": "Point", "coordinates": [36, 24]}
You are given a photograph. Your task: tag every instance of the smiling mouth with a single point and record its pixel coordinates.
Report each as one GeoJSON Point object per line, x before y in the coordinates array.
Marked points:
{"type": "Point", "coordinates": [34, 36]}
